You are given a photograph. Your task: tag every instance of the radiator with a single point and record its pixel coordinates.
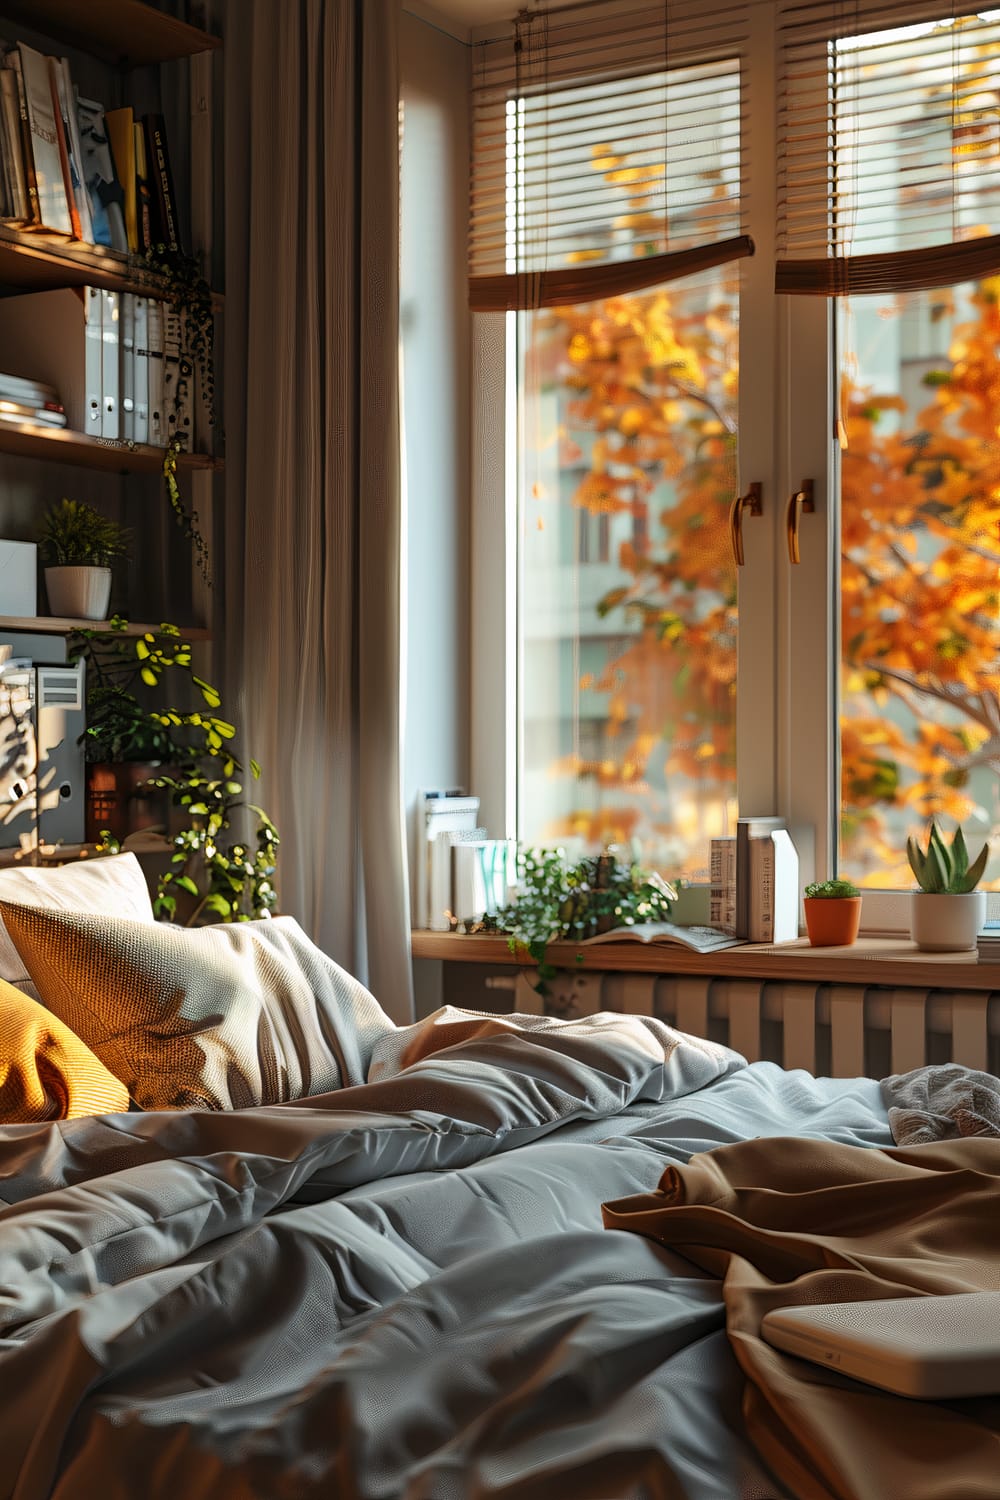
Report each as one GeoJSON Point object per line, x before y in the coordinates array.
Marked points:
{"type": "Point", "coordinates": [832, 1030]}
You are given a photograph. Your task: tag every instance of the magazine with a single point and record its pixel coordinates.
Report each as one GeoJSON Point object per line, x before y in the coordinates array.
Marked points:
{"type": "Point", "coordinates": [698, 939]}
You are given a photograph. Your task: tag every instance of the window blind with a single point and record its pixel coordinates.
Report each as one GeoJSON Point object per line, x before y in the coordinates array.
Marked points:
{"type": "Point", "coordinates": [888, 146]}
{"type": "Point", "coordinates": [606, 152]}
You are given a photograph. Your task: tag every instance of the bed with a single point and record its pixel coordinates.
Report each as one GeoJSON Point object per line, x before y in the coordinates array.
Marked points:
{"type": "Point", "coordinates": [432, 1280]}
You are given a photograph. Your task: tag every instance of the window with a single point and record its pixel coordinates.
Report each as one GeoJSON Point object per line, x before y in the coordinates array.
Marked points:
{"type": "Point", "coordinates": [656, 687]}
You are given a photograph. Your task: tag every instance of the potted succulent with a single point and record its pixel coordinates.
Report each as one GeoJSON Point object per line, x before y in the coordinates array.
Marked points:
{"type": "Point", "coordinates": [947, 912]}
{"type": "Point", "coordinates": [80, 545]}
{"type": "Point", "coordinates": [833, 913]}
{"type": "Point", "coordinates": [172, 767]}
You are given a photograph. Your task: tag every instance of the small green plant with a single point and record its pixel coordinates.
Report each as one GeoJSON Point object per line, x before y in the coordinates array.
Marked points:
{"type": "Point", "coordinates": [576, 901]}
{"type": "Point", "coordinates": [942, 870]}
{"type": "Point", "coordinates": [73, 534]}
{"type": "Point", "coordinates": [831, 889]}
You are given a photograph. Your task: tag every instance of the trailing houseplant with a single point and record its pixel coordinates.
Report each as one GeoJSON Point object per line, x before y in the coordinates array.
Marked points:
{"type": "Point", "coordinates": [558, 900]}
{"type": "Point", "coordinates": [833, 913]}
{"type": "Point", "coordinates": [224, 849]}
{"type": "Point", "coordinates": [79, 545]}
{"type": "Point", "coordinates": [187, 289]}
{"type": "Point", "coordinates": [947, 911]}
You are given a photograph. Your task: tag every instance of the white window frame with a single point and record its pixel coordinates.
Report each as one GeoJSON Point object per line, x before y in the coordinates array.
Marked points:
{"type": "Point", "coordinates": [788, 654]}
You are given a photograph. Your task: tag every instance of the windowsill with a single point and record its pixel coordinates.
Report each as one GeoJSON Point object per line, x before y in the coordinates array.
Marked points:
{"type": "Point", "coordinates": [884, 961]}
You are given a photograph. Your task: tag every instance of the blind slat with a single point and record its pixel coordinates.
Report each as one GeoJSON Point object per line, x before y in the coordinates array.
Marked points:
{"type": "Point", "coordinates": [605, 140]}
{"type": "Point", "coordinates": [888, 145]}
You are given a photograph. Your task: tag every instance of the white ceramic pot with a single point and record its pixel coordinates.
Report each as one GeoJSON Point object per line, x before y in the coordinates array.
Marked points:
{"type": "Point", "coordinates": [947, 924]}
{"type": "Point", "coordinates": [79, 593]}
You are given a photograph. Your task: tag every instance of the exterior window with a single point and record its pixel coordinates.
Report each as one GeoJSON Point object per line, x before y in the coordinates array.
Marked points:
{"type": "Point", "coordinates": [627, 593]}
{"type": "Point", "coordinates": [920, 572]}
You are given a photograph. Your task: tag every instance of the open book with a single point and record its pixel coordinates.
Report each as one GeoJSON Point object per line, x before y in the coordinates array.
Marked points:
{"type": "Point", "coordinates": [698, 939]}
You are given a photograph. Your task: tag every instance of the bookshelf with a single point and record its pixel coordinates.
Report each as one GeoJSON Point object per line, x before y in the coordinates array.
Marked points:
{"type": "Point", "coordinates": [62, 625]}
{"type": "Point", "coordinates": [108, 39]}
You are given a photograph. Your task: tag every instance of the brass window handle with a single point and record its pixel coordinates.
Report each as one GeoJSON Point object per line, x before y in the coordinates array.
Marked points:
{"type": "Point", "coordinates": [753, 501]}
{"type": "Point", "coordinates": [801, 501]}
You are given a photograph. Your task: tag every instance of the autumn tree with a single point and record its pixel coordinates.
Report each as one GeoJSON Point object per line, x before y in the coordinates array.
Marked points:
{"type": "Point", "coordinates": [653, 378]}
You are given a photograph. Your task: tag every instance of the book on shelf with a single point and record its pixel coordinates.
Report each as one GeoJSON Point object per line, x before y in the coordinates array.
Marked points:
{"type": "Point", "coordinates": [71, 125]}
{"type": "Point", "coordinates": [143, 190]}
{"type": "Point", "coordinates": [44, 142]}
{"type": "Point", "coordinates": [121, 138]}
{"type": "Point", "coordinates": [746, 829]}
{"type": "Point", "coordinates": [722, 884]}
{"type": "Point", "coordinates": [482, 872]}
{"type": "Point", "coordinates": [166, 216]}
{"type": "Point", "coordinates": [107, 200]}
{"type": "Point", "coordinates": [988, 943]}
{"type": "Point", "coordinates": [438, 813]}
{"type": "Point", "coordinates": [696, 939]}
{"type": "Point", "coordinates": [774, 888]}
{"type": "Point", "coordinates": [20, 140]}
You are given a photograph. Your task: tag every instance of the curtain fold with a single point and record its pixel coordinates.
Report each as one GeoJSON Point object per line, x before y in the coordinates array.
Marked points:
{"type": "Point", "coordinates": [313, 488]}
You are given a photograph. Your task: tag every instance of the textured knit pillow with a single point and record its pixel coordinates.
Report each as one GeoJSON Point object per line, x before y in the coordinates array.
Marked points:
{"type": "Point", "coordinates": [206, 1018]}
{"type": "Point", "coordinates": [46, 1072]}
{"type": "Point", "coordinates": [113, 884]}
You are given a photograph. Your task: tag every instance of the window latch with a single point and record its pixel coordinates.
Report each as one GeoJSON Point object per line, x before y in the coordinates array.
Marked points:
{"type": "Point", "coordinates": [801, 501]}
{"type": "Point", "coordinates": [753, 501]}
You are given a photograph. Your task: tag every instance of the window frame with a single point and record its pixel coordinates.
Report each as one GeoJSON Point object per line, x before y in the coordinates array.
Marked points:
{"type": "Point", "coordinates": [787, 736]}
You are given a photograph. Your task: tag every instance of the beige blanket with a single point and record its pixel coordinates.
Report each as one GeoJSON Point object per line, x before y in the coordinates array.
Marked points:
{"type": "Point", "coordinates": [787, 1222]}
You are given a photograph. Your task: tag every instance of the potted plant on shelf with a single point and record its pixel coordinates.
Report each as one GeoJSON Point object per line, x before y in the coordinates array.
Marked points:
{"type": "Point", "coordinates": [833, 913]}
{"type": "Point", "coordinates": [173, 767]}
{"type": "Point", "coordinates": [947, 912]}
{"type": "Point", "coordinates": [80, 545]}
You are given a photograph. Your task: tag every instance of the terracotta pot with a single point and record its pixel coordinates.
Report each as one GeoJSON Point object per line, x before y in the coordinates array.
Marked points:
{"type": "Point", "coordinates": [832, 921]}
{"type": "Point", "coordinates": [946, 924]}
{"type": "Point", "coordinates": [120, 800]}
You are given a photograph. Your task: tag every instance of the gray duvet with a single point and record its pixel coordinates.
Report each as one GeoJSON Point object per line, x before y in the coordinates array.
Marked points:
{"type": "Point", "coordinates": [399, 1290]}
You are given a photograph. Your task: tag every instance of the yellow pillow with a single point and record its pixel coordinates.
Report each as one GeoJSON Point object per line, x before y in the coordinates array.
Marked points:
{"type": "Point", "coordinates": [46, 1072]}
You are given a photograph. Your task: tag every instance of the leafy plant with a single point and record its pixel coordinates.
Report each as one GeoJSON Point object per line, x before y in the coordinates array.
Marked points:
{"type": "Point", "coordinates": [941, 870]}
{"type": "Point", "coordinates": [185, 516]}
{"type": "Point", "coordinates": [831, 890]}
{"type": "Point", "coordinates": [219, 869]}
{"type": "Point", "coordinates": [576, 901]}
{"type": "Point", "coordinates": [73, 534]}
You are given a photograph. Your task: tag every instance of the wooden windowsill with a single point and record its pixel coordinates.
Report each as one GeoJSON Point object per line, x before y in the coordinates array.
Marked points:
{"type": "Point", "coordinates": [884, 961]}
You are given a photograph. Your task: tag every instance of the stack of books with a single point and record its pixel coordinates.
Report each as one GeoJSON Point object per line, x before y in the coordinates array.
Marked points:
{"type": "Point", "coordinates": [69, 168]}
{"type": "Point", "coordinates": [754, 882]}
{"type": "Point", "coordinates": [988, 944]}
{"type": "Point", "coordinates": [30, 403]}
{"type": "Point", "coordinates": [117, 357]}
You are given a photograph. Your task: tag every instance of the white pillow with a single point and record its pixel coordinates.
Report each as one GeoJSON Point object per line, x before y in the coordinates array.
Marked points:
{"type": "Point", "coordinates": [105, 885]}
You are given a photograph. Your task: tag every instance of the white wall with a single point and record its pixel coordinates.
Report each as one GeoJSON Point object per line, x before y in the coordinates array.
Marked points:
{"type": "Point", "coordinates": [435, 333]}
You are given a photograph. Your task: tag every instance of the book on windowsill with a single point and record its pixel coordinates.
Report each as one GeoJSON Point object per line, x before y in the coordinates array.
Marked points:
{"type": "Point", "coordinates": [698, 939]}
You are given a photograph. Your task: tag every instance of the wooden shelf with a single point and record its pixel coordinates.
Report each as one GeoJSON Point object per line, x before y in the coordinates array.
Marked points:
{"type": "Point", "coordinates": [871, 961]}
{"type": "Point", "coordinates": [62, 625]}
{"type": "Point", "coordinates": [41, 262]}
{"type": "Point", "coordinates": [125, 32]}
{"type": "Point", "coordinates": [61, 445]}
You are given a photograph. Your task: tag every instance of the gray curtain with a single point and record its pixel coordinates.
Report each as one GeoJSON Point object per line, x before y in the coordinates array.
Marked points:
{"type": "Point", "coordinates": [313, 525]}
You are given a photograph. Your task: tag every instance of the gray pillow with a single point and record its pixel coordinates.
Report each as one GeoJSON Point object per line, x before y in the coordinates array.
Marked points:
{"type": "Point", "coordinates": [207, 1018]}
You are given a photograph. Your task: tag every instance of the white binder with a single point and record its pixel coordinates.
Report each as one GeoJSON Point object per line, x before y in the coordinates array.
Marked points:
{"type": "Point", "coordinates": [126, 373]}
{"type": "Point", "coordinates": [110, 334]}
{"type": "Point", "coordinates": [171, 368]}
{"type": "Point", "coordinates": [93, 361]}
{"type": "Point", "coordinates": [140, 337]}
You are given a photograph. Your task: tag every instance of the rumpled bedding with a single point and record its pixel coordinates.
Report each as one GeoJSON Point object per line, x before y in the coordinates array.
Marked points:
{"type": "Point", "coordinates": [814, 1222]}
{"type": "Point", "coordinates": [399, 1290]}
{"type": "Point", "coordinates": [941, 1103]}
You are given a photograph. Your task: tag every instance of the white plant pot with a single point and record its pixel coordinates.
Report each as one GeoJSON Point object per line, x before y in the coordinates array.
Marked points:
{"type": "Point", "coordinates": [79, 593]}
{"type": "Point", "coordinates": [947, 924]}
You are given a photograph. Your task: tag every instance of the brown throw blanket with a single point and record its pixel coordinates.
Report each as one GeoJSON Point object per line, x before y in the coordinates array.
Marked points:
{"type": "Point", "coordinates": [788, 1221]}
